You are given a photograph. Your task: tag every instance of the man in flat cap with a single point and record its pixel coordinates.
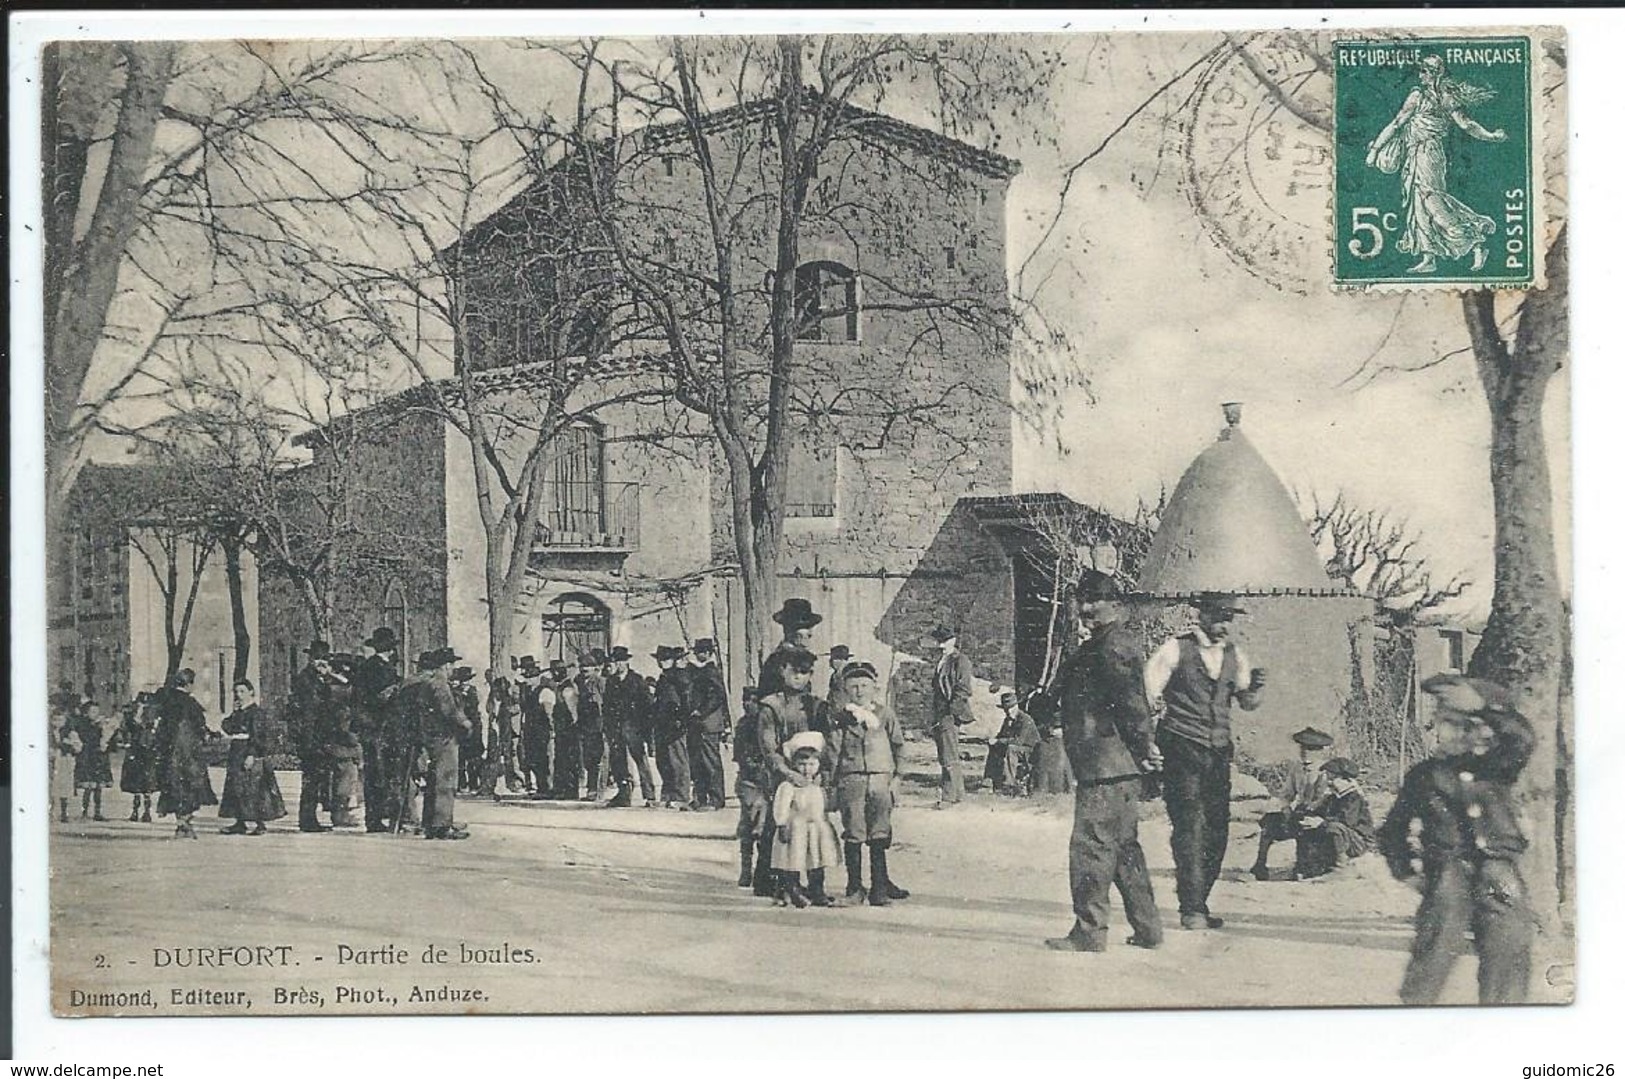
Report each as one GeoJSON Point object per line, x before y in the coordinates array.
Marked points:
{"type": "Point", "coordinates": [1198, 676]}
{"type": "Point", "coordinates": [796, 619]}
{"type": "Point", "coordinates": [433, 708]}
{"type": "Point", "coordinates": [1465, 857]}
{"type": "Point", "coordinates": [708, 722]}
{"type": "Point", "coordinates": [950, 710]}
{"type": "Point", "coordinates": [1099, 696]}
{"type": "Point", "coordinates": [1305, 787]}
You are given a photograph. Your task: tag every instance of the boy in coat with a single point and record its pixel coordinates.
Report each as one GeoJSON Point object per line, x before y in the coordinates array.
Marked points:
{"type": "Point", "coordinates": [1338, 827]}
{"type": "Point", "coordinates": [866, 753]}
{"type": "Point", "coordinates": [1465, 861]}
{"type": "Point", "coordinates": [1305, 789]}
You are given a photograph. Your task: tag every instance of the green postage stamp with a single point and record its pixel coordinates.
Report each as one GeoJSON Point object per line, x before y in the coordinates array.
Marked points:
{"type": "Point", "coordinates": [1437, 163]}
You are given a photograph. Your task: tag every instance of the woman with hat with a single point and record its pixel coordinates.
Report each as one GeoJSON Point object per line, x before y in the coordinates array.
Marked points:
{"type": "Point", "coordinates": [796, 619]}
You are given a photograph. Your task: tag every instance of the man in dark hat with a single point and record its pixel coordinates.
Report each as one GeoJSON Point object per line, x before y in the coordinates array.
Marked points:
{"type": "Point", "coordinates": [1099, 696]}
{"type": "Point", "coordinates": [671, 729]}
{"type": "Point", "coordinates": [309, 710]}
{"type": "Point", "coordinates": [535, 732]}
{"type": "Point", "coordinates": [1198, 676]}
{"type": "Point", "coordinates": [1305, 787]}
{"type": "Point", "coordinates": [748, 780]}
{"type": "Point", "coordinates": [471, 746]}
{"type": "Point", "coordinates": [1465, 857]}
{"type": "Point", "coordinates": [627, 728]}
{"type": "Point", "coordinates": [950, 710]}
{"type": "Point", "coordinates": [590, 719]}
{"type": "Point", "coordinates": [707, 725]}
{"type": "Point", "coordinates": [796, 620]}
{"type": "Point", "coordinates": [562, 702]}
{"type": "Point", "coordinates": [432, 710]}
{"type": "Point", "coordinates": [376, 681]}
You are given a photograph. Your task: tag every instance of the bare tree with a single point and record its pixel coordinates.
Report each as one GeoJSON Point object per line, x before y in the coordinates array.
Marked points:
{"type": "Point", "coordinates": [777, 145]}
{"type": "Point", "coordinates": [1376, 553]}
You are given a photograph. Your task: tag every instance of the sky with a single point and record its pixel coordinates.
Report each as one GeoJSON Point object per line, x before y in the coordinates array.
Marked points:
{"type": "Point", "coordinates": [1166, 324]}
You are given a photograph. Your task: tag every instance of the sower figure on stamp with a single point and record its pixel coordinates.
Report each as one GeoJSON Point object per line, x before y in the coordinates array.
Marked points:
{"type": "Point", "coordinates": [1469, 846]}
{"type": "Point", "coordinates": [1099, 696]}
{"type": "Point", "coordinates": [950, 710]}
{"type": "Point", "coordinates": [1198, 676]}
{"type": "Point", "coordinates": [626, 728]}
{"type": "Point", "coordinates": [779, 717]}
{"type": "Point", "coordinates": [441, 723]}
{"type": "Point", "coordinates": [308, 714]}
{"type": "Point", "coordinates": [707, 724]}
{"type": "Point", "coordinates": [376, 680]}
{"type": "Point", "coordinates": [1305, 788]}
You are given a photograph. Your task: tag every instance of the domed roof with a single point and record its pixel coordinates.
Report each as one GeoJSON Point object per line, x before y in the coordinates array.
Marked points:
{"type": "Point", "coordinates": [1231, 526]}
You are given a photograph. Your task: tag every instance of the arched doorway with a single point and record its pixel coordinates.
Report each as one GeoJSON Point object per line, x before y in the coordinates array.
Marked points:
{"type": "Point", "coordinates": [573, 623]}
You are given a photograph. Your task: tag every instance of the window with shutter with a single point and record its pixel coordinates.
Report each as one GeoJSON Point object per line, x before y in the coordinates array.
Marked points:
{"type": "Point", "coordinates": [811, 480]}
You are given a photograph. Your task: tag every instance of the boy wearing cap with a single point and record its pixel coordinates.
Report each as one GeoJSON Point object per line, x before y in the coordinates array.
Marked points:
{"type": "Point", "coordinates": [1465, 860]}
{"type": "Point", "coordinates": [866, 750]}
{"type": "Point", "coordinates": [1304, 790]}
{"type": "Point", "coordinates": [1338, 827]}
{"type": "Point", "coordinates": [707, 702]}
{"type": "Point", "coordinates": [1009, 752]}
{"type": "Point", "coordinates": [1198, 676]}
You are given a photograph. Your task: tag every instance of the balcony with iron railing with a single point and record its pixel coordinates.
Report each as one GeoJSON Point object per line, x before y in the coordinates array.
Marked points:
{"type": "Point", "coordinates": [590, 517]}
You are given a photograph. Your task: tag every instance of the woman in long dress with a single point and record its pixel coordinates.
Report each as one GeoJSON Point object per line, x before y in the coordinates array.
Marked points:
{"type": "Point", "coordinates": [1437, 224]}
{"type": "Point", "coordinates": [251, 792]}
{"type": "Point", "coordinates": [93, 769]}
{"type": "Point", "coordinates": [183, 774]}
{"type": "Point", "coordinates": [138, 777]}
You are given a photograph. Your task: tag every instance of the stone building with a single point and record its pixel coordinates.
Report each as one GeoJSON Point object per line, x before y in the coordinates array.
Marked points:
{"type": "Point", "coordinates": [1231, 526]}
{"type": "Point", "coordinates": [136, 561]}
{"type": "Point", "coordinates": [636, 546]}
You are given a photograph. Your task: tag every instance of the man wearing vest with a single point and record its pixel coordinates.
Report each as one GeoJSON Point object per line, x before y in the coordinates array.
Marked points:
{"type": "Point", "coordinates": [1197, 675]}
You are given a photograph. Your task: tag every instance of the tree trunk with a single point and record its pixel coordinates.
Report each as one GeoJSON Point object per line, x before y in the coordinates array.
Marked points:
{"type": "Point", "coordinates": [241, 641]}
{"type": "Point", "coordinates": [499, 606]}
{"type": "Point", "coordinates": [1523, 644]}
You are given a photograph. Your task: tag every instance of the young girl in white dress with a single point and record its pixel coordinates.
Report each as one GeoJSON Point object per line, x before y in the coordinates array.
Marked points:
{"type": "Point", "coordinates": [804, 841]}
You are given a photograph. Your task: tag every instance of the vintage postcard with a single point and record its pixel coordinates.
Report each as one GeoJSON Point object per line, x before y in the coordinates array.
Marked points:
{"type": "Point", "coordinates": [820, 523]}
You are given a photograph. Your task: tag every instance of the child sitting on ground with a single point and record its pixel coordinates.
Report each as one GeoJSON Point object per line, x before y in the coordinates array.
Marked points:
{"type": "Point", "coordinates": [804, 841]}
{"type": "Point", "coordinates": [1339, 827]}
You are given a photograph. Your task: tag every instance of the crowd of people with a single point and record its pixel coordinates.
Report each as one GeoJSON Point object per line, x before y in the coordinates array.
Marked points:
{"type": "Point", "coordinates": [1112, 726]}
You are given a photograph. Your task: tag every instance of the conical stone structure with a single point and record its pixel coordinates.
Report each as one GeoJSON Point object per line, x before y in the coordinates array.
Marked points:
{"type": "Point", "coordinates": [1231, 526]}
